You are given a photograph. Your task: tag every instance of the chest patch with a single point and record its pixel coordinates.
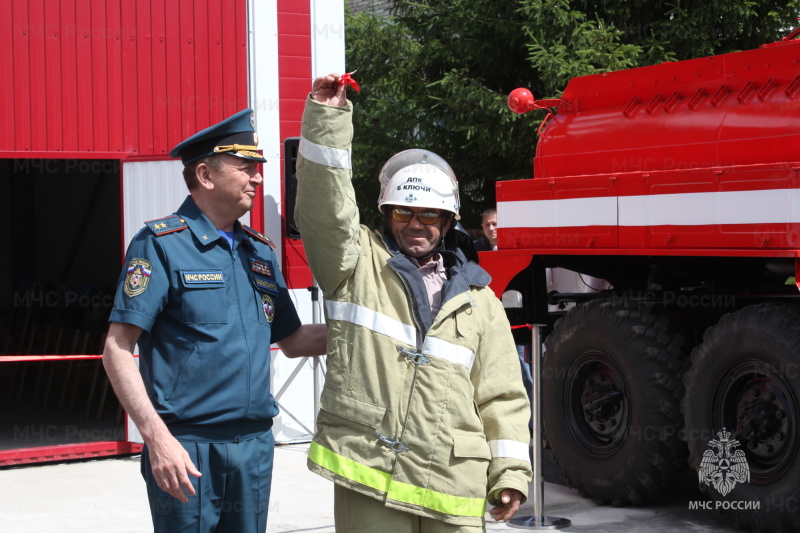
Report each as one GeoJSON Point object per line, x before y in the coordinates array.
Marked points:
{"type": "Point", "coordinates": [261, 267]}
{"type": "Point", "coordinates": [268, 306]}
{"type": "Point", "coordinates": [202, 277]}
{"type": "Point", "coordinates": [137, 277]}
{"type": "Point", "coordinates": [264, 284]}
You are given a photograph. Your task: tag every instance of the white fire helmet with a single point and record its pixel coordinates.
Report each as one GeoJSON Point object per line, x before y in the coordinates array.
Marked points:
{"type": "Point", "coordinates": [419, 178]}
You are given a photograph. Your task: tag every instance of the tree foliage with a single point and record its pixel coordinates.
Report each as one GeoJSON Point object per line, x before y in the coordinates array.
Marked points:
{"type": "Point", "coordinates": [436, 74]}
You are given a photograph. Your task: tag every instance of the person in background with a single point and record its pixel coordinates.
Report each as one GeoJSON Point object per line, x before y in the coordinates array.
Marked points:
{"type": "Point", "coordinates": [202, 296]}
{"type": "Point", "coordinates": [488, 242]}
{"type": "Point", "coordinates": [423, 414]}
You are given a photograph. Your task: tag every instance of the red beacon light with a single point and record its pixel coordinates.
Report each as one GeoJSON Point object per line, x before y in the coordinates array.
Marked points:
{"type": "Point", "coordinates": [521, 100]}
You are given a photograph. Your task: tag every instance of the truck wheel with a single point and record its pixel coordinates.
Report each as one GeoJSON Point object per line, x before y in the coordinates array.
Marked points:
{"type": "Point", "coordinates": [745, 379]}
{"type": "Point", "coordinates": [611, 391]}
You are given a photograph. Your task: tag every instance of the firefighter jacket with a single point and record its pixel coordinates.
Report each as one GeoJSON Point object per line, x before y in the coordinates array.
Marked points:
{"type": "Point", "coordinates": [426, 413]}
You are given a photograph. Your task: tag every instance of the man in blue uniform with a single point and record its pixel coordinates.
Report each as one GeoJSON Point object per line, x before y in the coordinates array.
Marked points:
{"type": "Point", "coordinates": [203, 297]}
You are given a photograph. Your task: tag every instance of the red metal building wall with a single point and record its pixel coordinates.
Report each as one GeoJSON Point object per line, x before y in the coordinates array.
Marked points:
{"type": "Point", "coordinates": [118, 76]}
{"type": "Point", "coordinates": [294, 64]}
{"type": "Point", "coordinates": [113, 79]}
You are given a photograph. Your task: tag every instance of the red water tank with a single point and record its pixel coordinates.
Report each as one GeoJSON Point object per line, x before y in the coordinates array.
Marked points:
{"type": "Point", "coordinates": [740, 108]}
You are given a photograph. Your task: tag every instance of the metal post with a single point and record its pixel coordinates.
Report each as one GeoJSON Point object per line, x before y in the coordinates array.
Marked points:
{"type": "Point", "coordinates": [538, 520]}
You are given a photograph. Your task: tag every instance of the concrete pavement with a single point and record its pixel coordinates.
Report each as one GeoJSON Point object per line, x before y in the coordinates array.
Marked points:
{"type": "Point", "coordinates": [108, 496]}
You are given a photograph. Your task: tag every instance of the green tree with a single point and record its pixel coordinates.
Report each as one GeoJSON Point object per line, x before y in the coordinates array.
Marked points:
{"type": "Point", "coordinates": [436, 74]}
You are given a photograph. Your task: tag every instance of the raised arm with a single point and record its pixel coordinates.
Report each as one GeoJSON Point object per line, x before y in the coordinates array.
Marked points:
{"type": "Point", "coordinates": [326, 213]}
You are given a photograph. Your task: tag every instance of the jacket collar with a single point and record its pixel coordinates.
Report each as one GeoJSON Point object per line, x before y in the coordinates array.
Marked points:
{"type": "Point", "coordinates": [458, 265]}
{"type": "Point", "coordinates": [455, 262]}
{"type": "Point", "coordinates": [202, 228]}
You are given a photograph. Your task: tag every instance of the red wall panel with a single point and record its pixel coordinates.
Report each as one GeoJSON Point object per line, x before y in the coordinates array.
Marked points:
{"type": "Point", "coordinates": [158, 67]}
{"type": "Point", "coordinates": [128, 76]}
{"type": "Point", "coordinates": [215, 33]}
{"type": "Point", "coordinates": [294, 60]}
{"type": "Point", "coordinates": [68, 84]}
{"type": "Point", "coordinates": [36, 50]}
{"type": "Point", "coordinates": [294, 83]}
{"type": "Point", "coordinates": [7, 32]}
{"type": "Point", "coordinates": [171, 105]}
{"type": "Point", "coordinates": [84, 69]}
{"type": "Point", "coordinates": [201, 65]}
{"type": "Point", "coordinates": [99, 78]}
{"type": "Point", "coordinates": [113, 44]}
{"type": "Point", "coordinates": [19, 132]}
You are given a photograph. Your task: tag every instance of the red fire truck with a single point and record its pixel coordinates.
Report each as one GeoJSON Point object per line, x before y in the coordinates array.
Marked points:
{"type": "Point", "coordinates": [679, 185]}
{"type": "Point", "coordinates": [96, 94]}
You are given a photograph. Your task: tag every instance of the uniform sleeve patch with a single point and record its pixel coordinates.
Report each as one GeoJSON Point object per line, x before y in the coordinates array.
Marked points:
{"type": "Point", "coordinates": [170, 224]}
{"type": "Point", "coordinates": [137, 277]}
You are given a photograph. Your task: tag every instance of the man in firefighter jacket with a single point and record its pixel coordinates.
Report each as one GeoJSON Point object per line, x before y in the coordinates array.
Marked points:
{"type": "Point", "coordinates": [423, 414]}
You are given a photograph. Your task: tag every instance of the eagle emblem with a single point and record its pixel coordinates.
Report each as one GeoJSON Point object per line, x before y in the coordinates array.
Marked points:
{"type": "Point", "coordinates": [723, 466]}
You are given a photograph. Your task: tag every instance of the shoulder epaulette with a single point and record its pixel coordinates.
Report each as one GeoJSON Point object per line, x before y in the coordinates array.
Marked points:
{"type": "Point", "coordinates": [257, 236]}
{"type": "Point", "coordinates": [163, 226]}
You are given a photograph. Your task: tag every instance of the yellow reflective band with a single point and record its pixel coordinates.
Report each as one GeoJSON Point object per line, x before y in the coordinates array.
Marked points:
{"type": "Point", "coordinates": [348, 468]}
{"type": "Point", "coordinates": [438, 501]}
{"type": "Point", "coordinates": [395, 490]}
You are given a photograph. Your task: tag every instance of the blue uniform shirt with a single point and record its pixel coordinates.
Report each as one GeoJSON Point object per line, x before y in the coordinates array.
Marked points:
{"type": "Point", "coordinates": [209, 314]}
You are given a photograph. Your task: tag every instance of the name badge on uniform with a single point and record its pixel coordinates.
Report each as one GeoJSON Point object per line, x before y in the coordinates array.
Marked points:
{"type": "Point", "coordinates": [137, 277]}
{"type": "Point", "coordinates": [265, 285]}
{"type": "Point", "coordinates": [202, 277]}
{"type": "Point", "coordinates": [261, 267]}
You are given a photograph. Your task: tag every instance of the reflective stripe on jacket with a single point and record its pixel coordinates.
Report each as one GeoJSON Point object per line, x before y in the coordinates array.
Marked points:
{"type": "Point", "coordinates": [427, 414]}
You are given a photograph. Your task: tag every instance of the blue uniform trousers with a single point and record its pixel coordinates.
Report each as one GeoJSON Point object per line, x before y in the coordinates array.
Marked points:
{"type": "Point", "coordinates": [232, 496]}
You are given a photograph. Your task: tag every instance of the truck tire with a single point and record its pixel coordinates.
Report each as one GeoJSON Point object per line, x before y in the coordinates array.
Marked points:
{"type": "Point", "coordinates": [611, 391]}
{"type": "Point", "coordinates": [745, 379]}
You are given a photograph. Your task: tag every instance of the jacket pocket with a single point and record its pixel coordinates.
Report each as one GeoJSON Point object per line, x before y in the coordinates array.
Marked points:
{"type": "Point", "coordinates": [353, 412]}
{"type": "Point", "coordinates": [468, 328]}
{"type": "Point", "coordinates": [471, 446]}
{"type": "Point", "coordinates": [338, 362]}
{"type": "Point", "coordinates": [470, 463]}
{"type": "Point", "coordinates": [203, 301]}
